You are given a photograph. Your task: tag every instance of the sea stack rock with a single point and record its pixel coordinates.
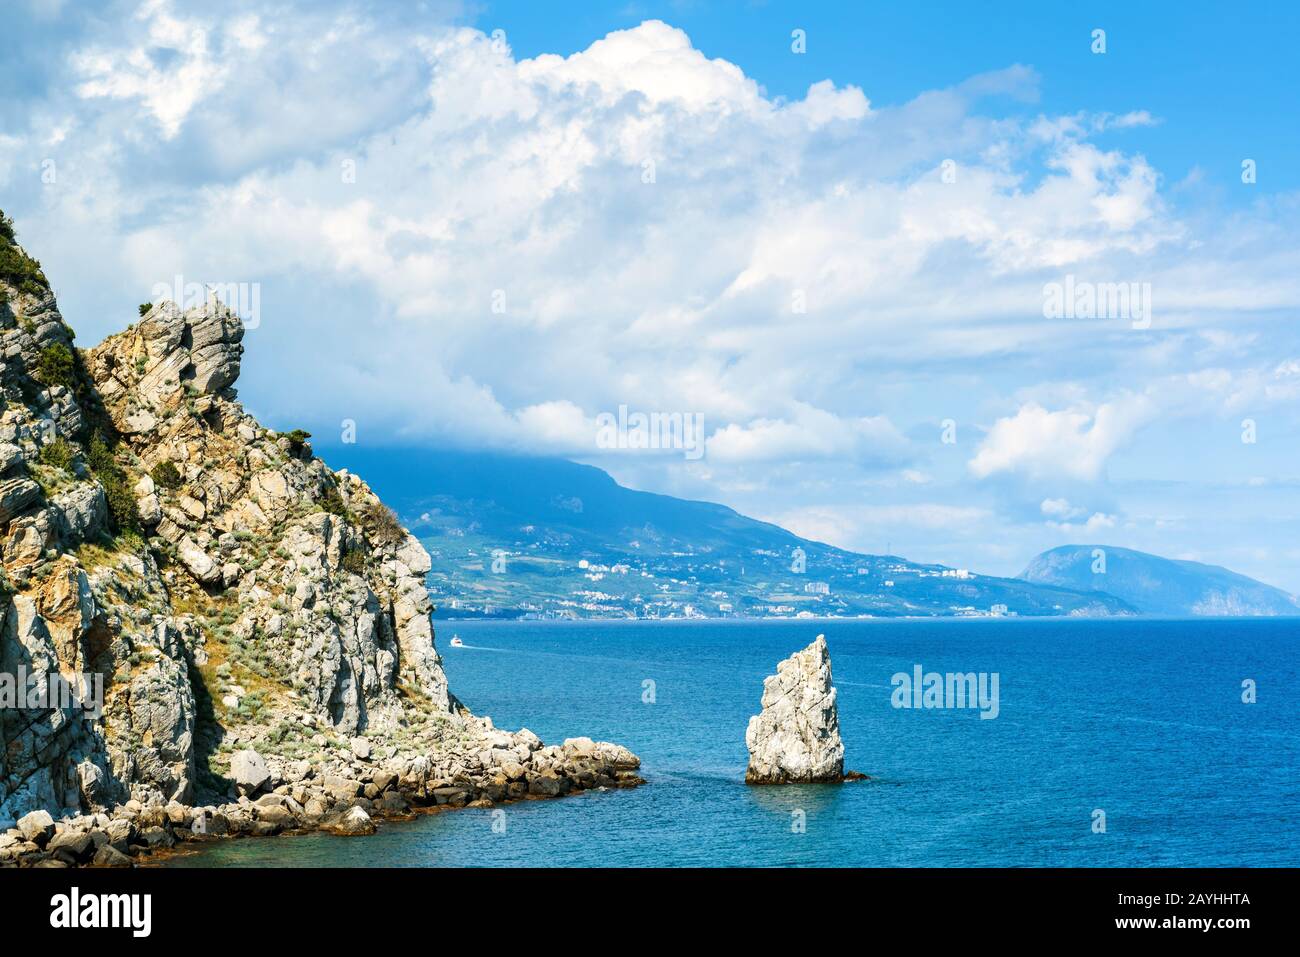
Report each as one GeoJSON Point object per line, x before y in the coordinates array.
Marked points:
{"type": "Point", "coordinates": [795, 739]}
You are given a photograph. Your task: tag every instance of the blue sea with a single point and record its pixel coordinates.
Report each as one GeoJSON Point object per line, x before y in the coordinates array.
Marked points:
{"type": "Point", "coordinates": [1140, 719]}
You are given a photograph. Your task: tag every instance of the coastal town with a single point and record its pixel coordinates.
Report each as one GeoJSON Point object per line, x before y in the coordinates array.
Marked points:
{"type": "Point", "coordinates": [474, 579]}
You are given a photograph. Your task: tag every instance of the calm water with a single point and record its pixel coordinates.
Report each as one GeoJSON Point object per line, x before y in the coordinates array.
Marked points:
{"type": "Point", "coordinates": [1142, 719]}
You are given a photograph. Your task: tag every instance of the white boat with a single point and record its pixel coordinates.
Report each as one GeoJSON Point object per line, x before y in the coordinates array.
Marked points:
{"type": "Point", "coordinates": [456, 642]}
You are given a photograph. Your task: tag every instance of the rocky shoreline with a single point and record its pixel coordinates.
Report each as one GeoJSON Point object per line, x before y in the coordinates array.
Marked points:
{"type": "Point", "coordinates": [346, 798]}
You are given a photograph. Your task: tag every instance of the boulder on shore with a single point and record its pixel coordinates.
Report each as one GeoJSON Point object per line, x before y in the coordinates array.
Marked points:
{"type": "Point", "coordinates": [249, 772]}
{"type": "Point", "coordinates": [356, 821]}
{"type": "Point", "coordinates": [37, 827]}
{"type": "Point", "coordinates": [795, 739]}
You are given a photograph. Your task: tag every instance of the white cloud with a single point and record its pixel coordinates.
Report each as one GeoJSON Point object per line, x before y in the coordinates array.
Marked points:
{"type": "Point", "coordinates": [654, 60]}
{"type": "Point", "coordinates": [809, 434]}
{"type": "Point", "coordinates": [1061, 516]}
{"type": "Point", "coordinates": [1060, 508]}
{"type": "Point", "coordinates": [825, 104]}
{"type": "Point", "coordinates": [1097, 521]}
{"type": "Point", "coordinates": [526, 177]}
{"type": "Point", "coordinates": [850, 526]}
{"type": "Point", "coordinates": [168, 91]}
{"type": "Point", "coordinates": [1074, 443]}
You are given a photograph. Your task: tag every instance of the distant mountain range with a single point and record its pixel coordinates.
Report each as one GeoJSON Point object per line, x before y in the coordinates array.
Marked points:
{"type": "Point", "coordinates": [515, 536]}
{"type": "Point", "coordinates": [518, 536]}
{"type": "Point", "coordinates": [1158, 586]}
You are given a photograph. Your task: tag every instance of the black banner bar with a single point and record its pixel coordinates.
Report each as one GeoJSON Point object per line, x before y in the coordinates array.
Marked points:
{"type": "Point", "coordinates": [331, 906]}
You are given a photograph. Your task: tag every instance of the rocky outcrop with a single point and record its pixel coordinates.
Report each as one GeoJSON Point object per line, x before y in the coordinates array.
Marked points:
{"type": "Point", "coordinates": [795, 739]}
{"type": "Point", "coordinates": [255, 620]}
{"type": "Point", "coordinates": [171, 351]}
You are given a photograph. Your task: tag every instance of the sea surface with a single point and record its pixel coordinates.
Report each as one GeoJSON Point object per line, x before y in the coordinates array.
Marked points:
{"type": "Point", "coordinates": [1140, 719]}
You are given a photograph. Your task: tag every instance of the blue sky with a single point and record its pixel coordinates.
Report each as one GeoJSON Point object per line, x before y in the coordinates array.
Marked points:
{"type": "Point", "coordinates": [1223, 79]}
{"type": "Point", "coordinates": [841, 259]}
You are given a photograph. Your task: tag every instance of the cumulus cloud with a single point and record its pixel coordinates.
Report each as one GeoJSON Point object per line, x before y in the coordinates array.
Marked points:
{"type": "Point", "coordinates": [1061, 515]}
{"type": "Point", "coordinates": [851, 526]}
{"type": "Point", "coordinates": [639, 204]}
{"type": "Point", "coordinates": [654, 61]}
{"type": "Point", "coordinates": [174, 66]}
{"type": "Point", "coordinates": [1075, 443]}
{"type": "Point", "coordinates": [809, 434]}
{"type": "Point", "coordinates": [1061, 508]}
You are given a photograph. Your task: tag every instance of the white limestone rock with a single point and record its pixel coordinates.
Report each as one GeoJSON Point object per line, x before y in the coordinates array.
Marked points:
{"type": "Point", "coordinates": [37, 827]}
{"type": "Point", "coordinates": [249, 772]}
{"type": "Point", "coordinates": [355, 822]}
{"type": "Point", "coordinates": [198, 561]}
{"type": "Point", "coordinates": [795, 739]}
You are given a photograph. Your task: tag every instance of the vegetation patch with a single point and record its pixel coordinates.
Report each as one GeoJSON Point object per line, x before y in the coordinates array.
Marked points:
{"type": "Point", "coordinates": [55, 366]}
{"type": "Point", "coordinates": [354, 561]}
{"type": "Point", "coordinates": [332, 502]}
{"type": "Point", "coordinates": [297, 440]}
{"type": "Point", "coordinates": [58, 454]}
{"type": "Point", "coordinates": [122, 508]}
{"type": "Point", "coordinates": [18, 269]}
{"type": "Point", "coordinates": [92, 555]}
{"type": "Point", "coordinates": [166, 475]}
{"type": "Point", "coordinates": [382, 525]}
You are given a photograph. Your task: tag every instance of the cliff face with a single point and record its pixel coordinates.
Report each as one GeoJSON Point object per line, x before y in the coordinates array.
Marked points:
{"type": "Point", "coordinates": [227, 590]}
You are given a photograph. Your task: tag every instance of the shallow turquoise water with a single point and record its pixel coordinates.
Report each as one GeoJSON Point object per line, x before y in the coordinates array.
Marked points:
{"type": "Point", "coordinates": [1142, 719]}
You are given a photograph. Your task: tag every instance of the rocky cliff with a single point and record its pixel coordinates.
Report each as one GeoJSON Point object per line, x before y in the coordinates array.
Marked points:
{"type": "Point", "coordinates": [229, 594]}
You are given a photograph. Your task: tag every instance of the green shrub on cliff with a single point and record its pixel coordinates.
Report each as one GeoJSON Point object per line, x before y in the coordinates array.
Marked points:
{"type": "Point", "coordinates": [121, 504]}
{"type": "Point", "coordinates": [58, 454]}
{"type": "Point", "coordinates": [297, 440]}
{"type": "Point", "coordinates": [18, 269]}
{"type": "Point", "coordinates": [98, 455]}
{"type": "Point", "coordinates": [166, 475]}
{"type": "Point", "coordinates": [332, 502]}
{"type": "Point", "coordinates": [56, 366]}
{"type": "Point", "coordinates": [122, 508]}
{"type": "Point", "coordinates": [382, 525]}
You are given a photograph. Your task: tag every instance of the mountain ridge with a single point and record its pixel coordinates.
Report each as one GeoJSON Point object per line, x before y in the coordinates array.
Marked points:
{"type": "Point", "coordinates": [515, 535]}
{"type": "Point", "coordinates": [1158, 585]}
{"type": "Point", "coordinates": [486, 500]}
